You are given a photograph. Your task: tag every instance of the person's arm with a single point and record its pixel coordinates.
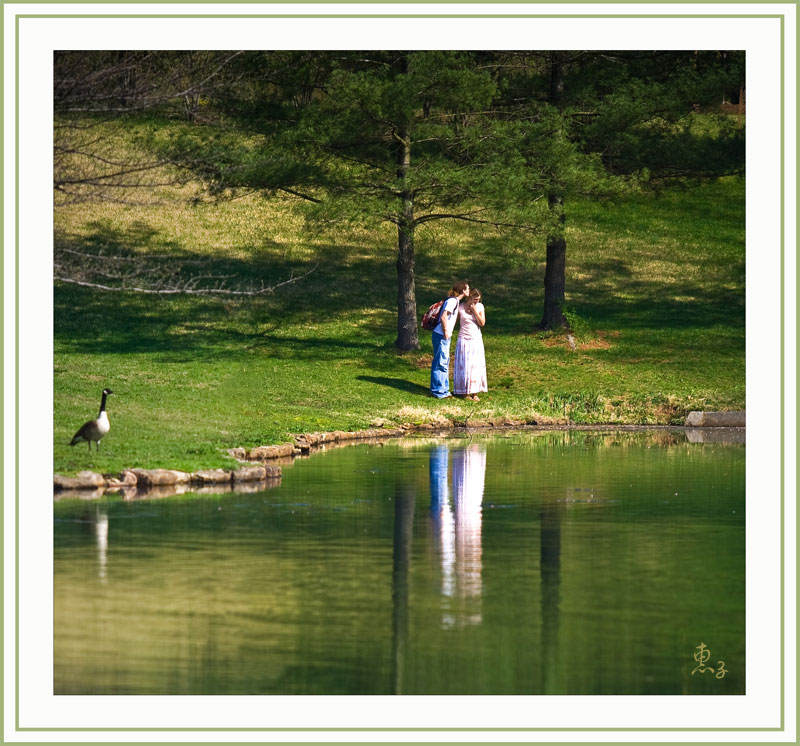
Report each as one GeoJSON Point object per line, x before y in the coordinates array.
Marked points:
{"type": "Point", "coordinates": [479, 313]}
{"type": "Point", "coordinates": [448, 319]}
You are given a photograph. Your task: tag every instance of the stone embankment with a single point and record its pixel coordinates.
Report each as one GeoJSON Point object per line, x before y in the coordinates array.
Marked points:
{"type": "Point", "coordinates": [149, 482]}
{"type": "Point", "coordinates": [305, 442]}
{"type": "Point", "coordinates": [716, 427]}
{"type": "Point", "coordinates": [715, 419]}
{"type": "Point", "coordinates": [166, 481]}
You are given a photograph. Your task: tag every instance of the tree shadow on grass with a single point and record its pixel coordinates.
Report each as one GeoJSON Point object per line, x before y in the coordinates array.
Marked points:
{"type": "Point", "coordinates": [349, 288]}
{"type": "Point", "coordinates": [95, 323]}
{"type": "Point", "coordinates": [338, 278]}
{"type": "Point", "coordinates": [397, 383]}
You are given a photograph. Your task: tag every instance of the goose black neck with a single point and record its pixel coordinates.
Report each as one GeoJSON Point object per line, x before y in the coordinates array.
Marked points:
{"type": "Point", "coordinates": [103, 402]}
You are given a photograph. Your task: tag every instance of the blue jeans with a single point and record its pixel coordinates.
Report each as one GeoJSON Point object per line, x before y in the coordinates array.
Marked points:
{"type": "Point", "coordinates": [440, 367]}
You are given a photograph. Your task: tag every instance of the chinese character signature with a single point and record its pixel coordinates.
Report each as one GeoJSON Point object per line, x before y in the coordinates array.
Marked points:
{"type": "Point", "coordinates": [701, 656]}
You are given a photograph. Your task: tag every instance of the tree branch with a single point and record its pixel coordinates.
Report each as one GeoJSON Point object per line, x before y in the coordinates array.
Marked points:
{"type": "Point", "coordinates": [187, 288]}
{"type": "Point", "coordinates": [300, 194]}
{"type": "Point", "coordinates": [467, 218]}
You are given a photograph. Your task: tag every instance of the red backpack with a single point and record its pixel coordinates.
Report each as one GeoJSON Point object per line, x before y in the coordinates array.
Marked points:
{"type": "Point", "coordinates": [430, 319]}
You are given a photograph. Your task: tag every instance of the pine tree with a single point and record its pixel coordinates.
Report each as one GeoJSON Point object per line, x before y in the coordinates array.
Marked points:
{"type": "Point", "coordinates": [398, 137]}
{"type": "Point", "coordinates": [616, 122]}
{"type": "Point", "coordinates": [501, 138]}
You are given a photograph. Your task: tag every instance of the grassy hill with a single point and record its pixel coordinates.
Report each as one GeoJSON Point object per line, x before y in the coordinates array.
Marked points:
{"type": "Point", "coordinates": [655, 288]}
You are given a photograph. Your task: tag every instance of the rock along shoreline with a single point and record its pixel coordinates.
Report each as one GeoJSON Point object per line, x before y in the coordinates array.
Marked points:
{"type": "Point", "coordinates": [132, 483]}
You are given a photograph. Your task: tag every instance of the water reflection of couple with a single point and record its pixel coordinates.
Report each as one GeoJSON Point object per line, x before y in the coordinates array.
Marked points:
{"type": "Point", "coordinates": [457, 529]}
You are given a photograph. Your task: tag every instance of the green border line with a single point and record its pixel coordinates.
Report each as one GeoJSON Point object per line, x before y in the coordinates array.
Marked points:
{"type": "Point", "coordinates": [423, 16]}
{"type": "Point", "coordinates": [3, 371]}
{"type": "Point", "coordinates": [415, 2]}
{"type": "Point", "coordinates": [780, 17]}
{"type": "Point", "coordinates": [783, 374]}
{"type": "Point", "coordinates": [16, 362]}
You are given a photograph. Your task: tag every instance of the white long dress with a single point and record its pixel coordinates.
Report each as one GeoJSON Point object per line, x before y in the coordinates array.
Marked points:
{"type": "Point", "coordinates": [469, 371]}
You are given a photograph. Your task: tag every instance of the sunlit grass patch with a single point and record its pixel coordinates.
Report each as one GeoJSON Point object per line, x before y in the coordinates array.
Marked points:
{"type": "Point", "coordinates": [417, 415]}
{"type": "Point", "coordinates": [655, 298]}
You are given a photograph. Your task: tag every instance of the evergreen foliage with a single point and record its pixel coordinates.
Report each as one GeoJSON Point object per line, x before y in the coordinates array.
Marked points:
{"type": "Point", "coordinates": [503, 139]}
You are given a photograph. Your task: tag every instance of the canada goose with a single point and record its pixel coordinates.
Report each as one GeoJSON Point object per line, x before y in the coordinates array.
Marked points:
{"type": "Point", "coordinates": [93, 430]}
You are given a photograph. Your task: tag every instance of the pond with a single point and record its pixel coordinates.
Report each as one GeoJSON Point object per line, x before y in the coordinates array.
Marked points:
{"type": "Point", "coordinates": [564, 562]}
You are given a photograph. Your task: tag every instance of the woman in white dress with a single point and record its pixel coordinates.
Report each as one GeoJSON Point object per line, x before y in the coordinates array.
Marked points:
{"type": "Point", "coordinates": [469, 374]}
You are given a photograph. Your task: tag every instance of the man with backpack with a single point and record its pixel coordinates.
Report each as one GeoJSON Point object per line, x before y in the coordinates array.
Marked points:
{"type": "Point", "coordinates": [440, 367]}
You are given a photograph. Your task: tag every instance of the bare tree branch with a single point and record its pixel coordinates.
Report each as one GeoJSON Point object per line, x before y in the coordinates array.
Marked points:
{"type": "Point", "coordinates": [134, 274]}
{"type": "Point", "coordinates": [94, 88]}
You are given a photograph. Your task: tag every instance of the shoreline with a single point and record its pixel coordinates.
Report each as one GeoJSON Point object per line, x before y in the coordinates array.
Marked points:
{"type": "Point", "coordinates": [141, 483]}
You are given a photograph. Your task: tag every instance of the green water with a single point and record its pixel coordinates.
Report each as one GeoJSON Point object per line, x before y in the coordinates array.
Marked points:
{"type": "Point", "coordinates": [555, 563]}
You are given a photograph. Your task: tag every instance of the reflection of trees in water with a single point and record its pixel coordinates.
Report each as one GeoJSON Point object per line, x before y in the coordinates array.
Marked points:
{"type": "Point", "coordinates": [624, 439]}
{"type": "Point", "coordinates": [550, 515]}
{"type": "Point", "coordinates": [457, 529]}
{"type": "Point", "coordinates": [600, 437]}
{"type": "Point", "coordinates": [401, 556]}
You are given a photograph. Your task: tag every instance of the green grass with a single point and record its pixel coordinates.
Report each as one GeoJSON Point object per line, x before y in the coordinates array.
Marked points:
{"type": "Point", "coordinates": [655, 293]}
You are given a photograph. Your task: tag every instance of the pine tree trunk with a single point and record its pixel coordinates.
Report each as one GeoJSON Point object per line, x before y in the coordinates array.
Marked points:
{"type": "Point", "coordinates": [555, 269]}
{"type": "Point", "coordinates": [407, 333]}
{"type": "Point", "coordinates": [556, 263]}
